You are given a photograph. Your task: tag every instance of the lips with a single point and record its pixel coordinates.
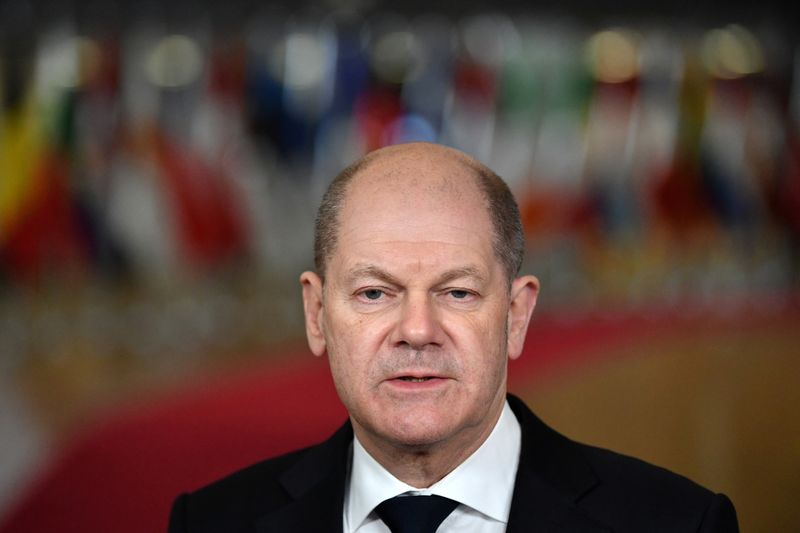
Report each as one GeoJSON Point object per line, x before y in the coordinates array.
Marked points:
{"type": "Point", "coordinates": [416, 380]}
{"type": "Point", "coordinates": [415, 376]}
{"type": "Point", "coordinates": [416, 385]}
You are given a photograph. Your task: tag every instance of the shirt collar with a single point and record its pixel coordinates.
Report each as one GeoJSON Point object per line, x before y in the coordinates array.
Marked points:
{"type": "Point", "coordinates": [370, 483]}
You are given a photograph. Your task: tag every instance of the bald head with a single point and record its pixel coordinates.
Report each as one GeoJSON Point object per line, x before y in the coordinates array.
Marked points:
{"type": "Point", "coordinates": [424, 166]}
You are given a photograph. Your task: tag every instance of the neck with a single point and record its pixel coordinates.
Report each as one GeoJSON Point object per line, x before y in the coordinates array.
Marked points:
{"type": "Point", "coordinates": [423, 465]}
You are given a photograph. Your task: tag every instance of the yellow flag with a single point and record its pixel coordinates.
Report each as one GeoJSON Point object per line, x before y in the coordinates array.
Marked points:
{"type": "Point", "coordinates": [21, 143]}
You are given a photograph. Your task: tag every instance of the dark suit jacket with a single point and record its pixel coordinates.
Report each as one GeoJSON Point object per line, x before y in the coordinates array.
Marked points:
{"type": "Point", "coordinates": [561, 486]}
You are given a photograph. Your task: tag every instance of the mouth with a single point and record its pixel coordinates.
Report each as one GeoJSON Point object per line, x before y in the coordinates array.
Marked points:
{"type": "Point", "coordinates": [417, 382]}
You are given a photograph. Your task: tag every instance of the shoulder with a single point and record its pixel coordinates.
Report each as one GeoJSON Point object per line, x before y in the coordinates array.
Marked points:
{"type": "Point", "coordinates": [234, 502]}
{"type": "Point", "coordinates": [636, 495]}
{"type": "Point", "coordinates": [252, 481]}
{"type": "Point", "coordinates": [617, 471]}
{"type": "Point", "coordinates": [237, 502]}
{"type": "Point", "coordinates": [618, 491]}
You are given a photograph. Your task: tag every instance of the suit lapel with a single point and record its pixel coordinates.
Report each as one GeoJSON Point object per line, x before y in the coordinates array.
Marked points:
{"type": "Point", "coordinates": [551, 477]}
{"type": "Point", "coordinates": [316, 485]}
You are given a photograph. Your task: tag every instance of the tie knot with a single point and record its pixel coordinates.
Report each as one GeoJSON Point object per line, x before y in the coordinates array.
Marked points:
{"type": "Point", "coordinates": [415, 514]}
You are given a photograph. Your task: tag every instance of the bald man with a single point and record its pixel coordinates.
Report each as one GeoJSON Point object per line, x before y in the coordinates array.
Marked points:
{"type": "Point", "coordinates": [417, 303]}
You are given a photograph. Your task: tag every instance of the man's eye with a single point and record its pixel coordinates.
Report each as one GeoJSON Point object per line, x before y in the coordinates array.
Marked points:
{"type": "Point", "coordinates": [459, 294]}
{"type": "Point", "coordinates": [372, 294]}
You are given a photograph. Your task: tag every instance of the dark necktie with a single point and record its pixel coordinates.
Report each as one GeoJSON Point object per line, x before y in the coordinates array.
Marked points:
{"type": "Point", "coordinates": [415, 514]}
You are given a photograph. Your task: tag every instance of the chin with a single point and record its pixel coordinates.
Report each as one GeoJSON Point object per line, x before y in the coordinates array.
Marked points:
{"type": "Point", "coordinates": [417, 440]}
{"type": "Point", "coordinates": [416, 432]}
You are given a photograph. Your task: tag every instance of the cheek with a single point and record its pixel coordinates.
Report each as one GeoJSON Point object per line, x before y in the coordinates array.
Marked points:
{"type": "Point", "coordinates": [351, 331]}
{"type": "Point", "coordinates": [349, 347]}
{"type": "Point", "coordinates": [346, 372]}
{"type": "Point", "coordinates": [484, 341]}
{"type": "Point", "coordinates": [482, 330]}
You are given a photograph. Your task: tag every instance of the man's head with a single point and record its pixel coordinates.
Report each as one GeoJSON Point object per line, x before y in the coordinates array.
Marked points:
{"type": "Point", "coordinates": [508, 239]}
{"type": "Point", "coordinates": [420, 308]}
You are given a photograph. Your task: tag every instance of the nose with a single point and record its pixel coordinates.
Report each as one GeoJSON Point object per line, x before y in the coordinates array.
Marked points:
{"type": "Point", "coordinates": [418, 324]}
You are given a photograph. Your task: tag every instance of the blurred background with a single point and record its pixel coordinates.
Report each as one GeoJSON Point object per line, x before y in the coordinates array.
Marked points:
{"type": "Point", "coordinates": [161, 163]}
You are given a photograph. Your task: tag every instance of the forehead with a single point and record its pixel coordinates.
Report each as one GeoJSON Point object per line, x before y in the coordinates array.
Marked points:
{"type": "Point", "coordinates": [417, 172]}
{"type": "Point", "coordinates": [415, 197]}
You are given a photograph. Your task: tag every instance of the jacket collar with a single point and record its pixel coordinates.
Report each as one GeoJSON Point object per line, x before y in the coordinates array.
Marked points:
{"type": "Point", "coordinates": [315, 484]}
{"type": "Point", "coordinates": [551, 477]}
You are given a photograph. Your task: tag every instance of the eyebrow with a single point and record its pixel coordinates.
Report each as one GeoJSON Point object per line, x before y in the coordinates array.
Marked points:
{"type": "Point", "coordinates": [371, 271]}
{"type": "Point", "coordinates": [462, 272]}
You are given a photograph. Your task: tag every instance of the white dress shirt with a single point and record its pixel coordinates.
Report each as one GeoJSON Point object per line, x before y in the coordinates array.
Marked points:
{"type": "Point", "coordinates": [483, 485]}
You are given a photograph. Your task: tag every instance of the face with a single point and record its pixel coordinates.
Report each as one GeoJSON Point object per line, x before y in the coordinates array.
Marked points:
{"type": "Point", "coordinates": [415, 313]}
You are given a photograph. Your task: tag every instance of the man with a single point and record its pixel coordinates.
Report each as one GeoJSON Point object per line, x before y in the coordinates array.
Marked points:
{"type": "Point", "coordinates": [417, 304]}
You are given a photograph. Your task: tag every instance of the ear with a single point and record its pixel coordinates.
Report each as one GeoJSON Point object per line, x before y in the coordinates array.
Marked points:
{"type": "Point", "coordinates": [312, 308]}
{"type": "Point", "coordinates": [524, 291]}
